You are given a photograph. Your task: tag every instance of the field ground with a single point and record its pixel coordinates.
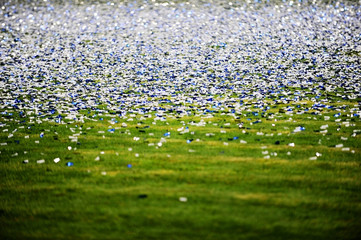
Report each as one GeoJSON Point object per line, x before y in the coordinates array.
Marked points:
{"type": "Point", "coordinates": [180, 120]}
{"type": "Point", "coordinates": [247, 183]}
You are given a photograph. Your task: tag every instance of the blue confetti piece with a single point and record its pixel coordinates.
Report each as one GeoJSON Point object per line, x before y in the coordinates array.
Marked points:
{"type": "Point", "coordinates": [69, 164]}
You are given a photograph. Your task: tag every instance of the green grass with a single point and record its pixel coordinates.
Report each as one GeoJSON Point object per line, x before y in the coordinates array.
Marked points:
{"type": "Point", "coordinates": [233, 191]}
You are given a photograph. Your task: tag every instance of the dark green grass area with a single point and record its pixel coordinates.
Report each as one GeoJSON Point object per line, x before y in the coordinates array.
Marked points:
{"type": "Point", "coordinates": [261, 188]}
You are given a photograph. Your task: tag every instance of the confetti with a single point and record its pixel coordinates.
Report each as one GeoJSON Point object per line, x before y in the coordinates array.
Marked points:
{"type": "Point", "coordinates": [141, 65]}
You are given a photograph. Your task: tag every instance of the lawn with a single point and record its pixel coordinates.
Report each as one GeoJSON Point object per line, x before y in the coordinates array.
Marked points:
{"type": "Point", "coordinates": [235, 183]}
{"type": "Point", "coordinates": [176, 120]}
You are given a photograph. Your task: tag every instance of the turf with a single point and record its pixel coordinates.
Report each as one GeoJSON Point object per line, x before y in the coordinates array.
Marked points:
{"type": "Point", "coordinates": [180, 120]}
{"type": "Point", "coordinates": [260, 188]}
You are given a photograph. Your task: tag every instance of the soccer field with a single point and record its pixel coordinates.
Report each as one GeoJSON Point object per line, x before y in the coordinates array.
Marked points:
{"type": "Point", "coordinates": [180, 120]}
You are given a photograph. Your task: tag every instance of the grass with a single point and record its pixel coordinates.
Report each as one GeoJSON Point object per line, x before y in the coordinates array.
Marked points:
{"type": "Point", "coordinates": [234, 190]}
{"type": "Point", "coordinates": [292, 172]}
